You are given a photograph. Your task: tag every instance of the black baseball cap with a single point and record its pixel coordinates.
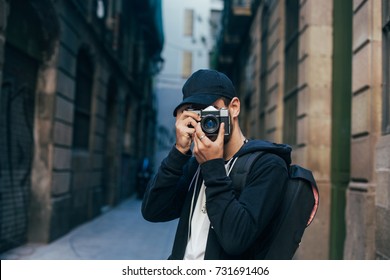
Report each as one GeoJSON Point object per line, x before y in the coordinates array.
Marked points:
{"type": "Point", "coordinates": [204, 87]}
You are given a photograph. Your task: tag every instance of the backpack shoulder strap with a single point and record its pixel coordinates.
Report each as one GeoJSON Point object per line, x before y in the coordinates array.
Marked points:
{"type": "Point", "coordinates": [241, 169]}
{"type": "Point", "coordinates": [244, 164]}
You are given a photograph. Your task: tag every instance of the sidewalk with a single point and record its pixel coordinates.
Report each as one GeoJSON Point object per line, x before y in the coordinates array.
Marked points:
{"type": "Point", "coordinates": [119, 234]}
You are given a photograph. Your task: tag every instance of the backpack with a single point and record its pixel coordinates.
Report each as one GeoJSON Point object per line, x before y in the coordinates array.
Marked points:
{"type": "Point", "coordinates": [296, 210]}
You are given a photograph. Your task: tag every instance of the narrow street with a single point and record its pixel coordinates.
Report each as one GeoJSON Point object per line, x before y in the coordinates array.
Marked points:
{"type": "Point", "coordinates": [119, 234]}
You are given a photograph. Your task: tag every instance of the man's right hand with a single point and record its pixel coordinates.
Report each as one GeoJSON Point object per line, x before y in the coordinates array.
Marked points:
{"type": "Point", "coordinates": [186, 122]}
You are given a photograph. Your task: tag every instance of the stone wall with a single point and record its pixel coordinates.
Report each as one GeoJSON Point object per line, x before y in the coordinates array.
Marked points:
{"type": "Point", "coordinates": [365, 130]}
{"type": "Point", "coordinates": [353, 218]}
{"type": "Point", "coordinates": [314, 115]}
{"type": "Point", "coordinates": [382, 162]}
{"type": "Point", "coordinates": [382, 199]}
{"type": "Point", "coordinates": [69, 186]}
{"type": "Point", "coordinates": [262, 96]}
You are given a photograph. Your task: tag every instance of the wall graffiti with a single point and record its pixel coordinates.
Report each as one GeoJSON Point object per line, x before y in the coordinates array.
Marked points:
{"type": "Point", "coordinates": [16, 148]}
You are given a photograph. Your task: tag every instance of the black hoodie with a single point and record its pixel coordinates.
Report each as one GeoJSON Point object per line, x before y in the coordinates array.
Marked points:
{"type": "Point", "coordinates": [239, 226]}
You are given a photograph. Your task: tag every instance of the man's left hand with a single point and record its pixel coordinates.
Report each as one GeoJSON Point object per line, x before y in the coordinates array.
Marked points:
{"type": "Point", "coordinates": [204, 148]}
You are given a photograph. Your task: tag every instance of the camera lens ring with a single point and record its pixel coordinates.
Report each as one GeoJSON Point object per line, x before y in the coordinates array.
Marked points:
{"type": "Point", "coordinates": [209, 124]}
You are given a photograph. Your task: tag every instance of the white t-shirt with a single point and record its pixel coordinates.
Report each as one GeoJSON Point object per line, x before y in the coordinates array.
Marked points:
{"type": "Point", "coordinates": [199, 223]}
{"type": "Point", "coordinates": [199, 228]}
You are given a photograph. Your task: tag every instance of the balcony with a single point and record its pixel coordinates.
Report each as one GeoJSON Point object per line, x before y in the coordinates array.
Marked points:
{"type": "Point", "coordinates": [236, 20]}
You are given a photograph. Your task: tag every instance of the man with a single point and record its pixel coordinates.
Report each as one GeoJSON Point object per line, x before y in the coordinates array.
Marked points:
{"type": "Point", "coordinates": [193, 183]}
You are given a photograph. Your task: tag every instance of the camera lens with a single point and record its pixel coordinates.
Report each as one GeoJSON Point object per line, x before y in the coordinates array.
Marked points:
{"type": "Point", "coordinates": [209, 124]}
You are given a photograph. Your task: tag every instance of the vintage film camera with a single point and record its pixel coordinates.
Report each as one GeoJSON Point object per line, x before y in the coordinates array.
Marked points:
{"type": "Point", "coordinates": [211, 118]}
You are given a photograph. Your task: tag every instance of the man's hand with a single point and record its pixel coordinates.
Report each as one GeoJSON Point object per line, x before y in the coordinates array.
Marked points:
{"type": "Point", "coordinates": [204, 148]}
{"type": "Point", "coordinates": [186, 121]}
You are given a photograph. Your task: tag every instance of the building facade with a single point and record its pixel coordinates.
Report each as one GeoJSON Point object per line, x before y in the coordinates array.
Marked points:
{"type": "Point", "coordinates": [189, 28]}
{"type": "Point", "coordinates": [315, 75]}
{"type": "Point", "coordinates": [76, 108]}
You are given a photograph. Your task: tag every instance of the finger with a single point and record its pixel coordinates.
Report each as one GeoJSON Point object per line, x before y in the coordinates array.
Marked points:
{"type": "Point", "coordinates": [189, 114]}
{"type": "Point", "coordinates": [198, 130]}
{"type": "Point", "coordinates": [188, 123]}
{"type": "Point", "coordinates": [182, 128]}
{"type": "Point", "coordinates": [199, 147]}
{"type": "Point", "coordinates": [201, 135]}
{"type": "Point", "coordinates": [191, 122]}
{"type": "Point", "coordinates": [221, 132]}
{"type": "Point", "coordinates": [188, 130]}
{"type": "Point", "coordinates": [196, 142]}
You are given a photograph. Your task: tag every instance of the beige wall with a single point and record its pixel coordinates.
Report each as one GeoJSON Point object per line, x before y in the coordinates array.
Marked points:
{"type": "Point", "coordinates": [67, 185]}
{"type": "Point", "coordinates": [367, 209]}
{"type": "Point", "coordinates": [314, 115]}
{"type": "Point", "coordinates": [314, 98]}
{"type": "Point", "coordinates": [382, 199]}
{"type": "Point", "coordinates": [366, 121]}
{"type": "Point", "coordinates": [252, 74]}
{"type": "Point", "coordinates": [275, 74]}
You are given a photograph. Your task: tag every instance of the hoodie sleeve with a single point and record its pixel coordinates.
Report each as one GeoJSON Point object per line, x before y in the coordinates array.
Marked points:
{"type": "Point", "coordinates": [165, 193]}
{"type": "Point", "coordinates": [239, 222]}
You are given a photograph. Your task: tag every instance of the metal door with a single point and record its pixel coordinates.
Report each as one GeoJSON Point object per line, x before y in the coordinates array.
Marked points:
{"type": "Point", "coordinates": [16, 145]}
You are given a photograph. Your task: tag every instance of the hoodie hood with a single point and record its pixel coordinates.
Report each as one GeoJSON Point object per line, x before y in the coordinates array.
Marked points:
{"type": "Point", "coordinates": [282, 150]}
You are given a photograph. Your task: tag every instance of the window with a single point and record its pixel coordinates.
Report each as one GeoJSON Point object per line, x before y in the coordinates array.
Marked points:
{"type": "Point", "coordinates": [386, 66]}
{"type": "Point", "coordinates": [188, 22]}
{"type": "Point", "coordinates": [187, 64]}
{"type": "Point", "coordinates": [82, 109]}
{"type": "Point", "coordinates": [291, 72]}
{"type": "Point", "coordinates": [241, 7]}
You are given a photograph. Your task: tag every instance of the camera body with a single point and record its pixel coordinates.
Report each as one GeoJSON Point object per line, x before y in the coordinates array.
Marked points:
{"type": "Point", "coordinates": [211, 118]}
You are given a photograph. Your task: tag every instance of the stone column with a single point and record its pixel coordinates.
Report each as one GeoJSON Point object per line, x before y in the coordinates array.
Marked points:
{"type": "Point", "coordinates": [365, 130]}
{"type": "Point", "coordinates": [314, 115]}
